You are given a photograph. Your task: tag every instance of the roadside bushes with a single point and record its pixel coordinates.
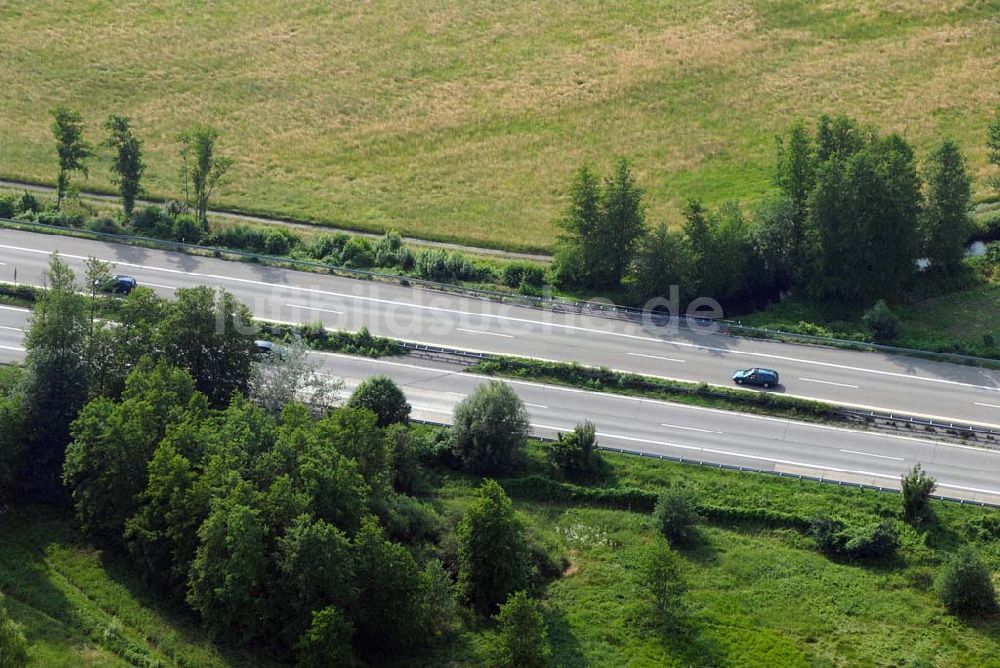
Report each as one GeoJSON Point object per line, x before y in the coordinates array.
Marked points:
{"type": "Point", "coordinates": [882, 324]}
{"type": "Point", "coordinates": [964, 584]}
{"type": "Point", "coordinates": [876, 540]}
{"type": "Point", "coordinates": [676, 514]}
{"type": "Point", "coordinates": [440, 265]}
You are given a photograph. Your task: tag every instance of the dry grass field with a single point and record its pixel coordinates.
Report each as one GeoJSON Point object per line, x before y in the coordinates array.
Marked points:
{"type": "Point", "coordinates": [463, 121]}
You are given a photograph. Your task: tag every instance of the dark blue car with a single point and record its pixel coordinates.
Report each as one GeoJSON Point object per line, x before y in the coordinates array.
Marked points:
{"type": "Point", "coordinates": [762, 377]}
{"type": "Point", "coordinates": [118, 284]}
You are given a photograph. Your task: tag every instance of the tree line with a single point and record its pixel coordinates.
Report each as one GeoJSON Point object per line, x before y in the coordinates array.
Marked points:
{"type": "Point", "coordinates": [852, 214]}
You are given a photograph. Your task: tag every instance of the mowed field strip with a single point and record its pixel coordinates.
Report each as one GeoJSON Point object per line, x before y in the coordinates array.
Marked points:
{"type": "Point", "coordinates": [463, 121]}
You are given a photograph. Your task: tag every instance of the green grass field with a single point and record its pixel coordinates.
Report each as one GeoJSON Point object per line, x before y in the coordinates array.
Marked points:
{"type": "Point", "coordinates": [758, 596]}
{"type": "Point", "coordinates": [464, 121]}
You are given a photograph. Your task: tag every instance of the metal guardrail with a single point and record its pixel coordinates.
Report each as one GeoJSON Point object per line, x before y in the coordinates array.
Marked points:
{"type": "Point", "coordinates": [598, 308]}
{"type": "Point", "coordinates": [922, 422]}
{"type": "Point", "coordinates": [748, 469]}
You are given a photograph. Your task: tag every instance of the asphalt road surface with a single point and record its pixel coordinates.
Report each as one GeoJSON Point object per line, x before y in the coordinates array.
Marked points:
{"type": "Point", "coordinates": [657, 427]}
{"type": "Point", "coordinates": [877, 381]}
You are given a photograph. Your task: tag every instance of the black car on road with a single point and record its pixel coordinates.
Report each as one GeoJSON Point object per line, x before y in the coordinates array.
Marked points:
{"type": "Point", "coordinates": [761, 377]}
{"type": "Point", "coordinates": [118, 284]}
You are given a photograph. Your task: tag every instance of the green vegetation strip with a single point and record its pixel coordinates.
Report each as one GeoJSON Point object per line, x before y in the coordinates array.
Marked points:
{"type": "Point", "coordinates": [699, 394]}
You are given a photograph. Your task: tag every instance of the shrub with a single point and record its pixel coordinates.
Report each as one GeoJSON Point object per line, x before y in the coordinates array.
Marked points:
{"type": "Point", "coordinates": [490, 428]}
{"type": "Point", "coordinates": [518, 274]}
{"type": "Point", "coordinates": [326, 245]}
{"type": "Point", "coordinates": [881, 322]}
{"type": "Point", "coordinates": [541, 488]}
{"type": "Point", "coordinates": [439, 265]}
{"type": "Point", "coordinates": [522, 641]}
{"type": "Point", "coordinates": [29, 203]}
{"type": "Point", "coordinates": [676, 514]}
{"type": "Point", "coordinates": [152, 221]}
{"type": "Point", "coordinates": [188, 229]}
{"type": "Point", "coordinates": [279, 242]}
{"type": "Point", "coordinates": [8, 206]}
{"type": "Point", "coordinates": [662, 586]}
{"type": "Point", "coordinates": [327, 642]}
{"type": "Point", "coordinates": [574, 455]}
{"type": "Point", "coordinates": [390, 252]}
{"type": "Point", "coordinates": [103, 225]}
{"type": "Point", "coordinates": [13, 646]}
{"type": "Point", "coordinates": [357, 253]}
{"type": "Point", "coordinates": [382, 396]}
{"type": "Point", "coordinates": [492, 551]}
{"type": "Point", "coordinates": [877, 540]}
{"type": "Point", "coordinates": [964, 584]}
{"type": "Point", "coordinates": [917, 490]}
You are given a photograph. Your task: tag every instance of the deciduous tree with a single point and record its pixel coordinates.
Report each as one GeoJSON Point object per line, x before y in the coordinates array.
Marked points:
{"type": "Point", "coordinates": [201, 169]}
{"type": "Point", "coordinates": [127, 167]}
{"type": "Point", "coordinates": [522, 640]}
{"type": "Point", "coordinates": [945, 224]}
{"type": "Point", "coordinates": [73, 150]}
{"type": "Point", "coordinates": [490, 428]}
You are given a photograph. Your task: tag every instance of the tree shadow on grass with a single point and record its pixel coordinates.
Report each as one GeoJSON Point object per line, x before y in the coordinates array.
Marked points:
{"type": "Point", "coordinates": [683, 640]}
{"type": "Point", "coordinates": [566, 649]}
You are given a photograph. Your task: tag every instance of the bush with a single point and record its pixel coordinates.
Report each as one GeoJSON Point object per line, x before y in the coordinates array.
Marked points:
{"type": "Point", "coordinates": [663, 587]}
{"type": "Point", "coordinates": [357, 254]}
{"type": "Point", "coordinates": [574, 455]}
{"type": "Point", "coordinates": [439, 265]}
{"type": "Point", "coordinates": [8, 206]}
{"type": "Point", "coordinates": [881, 322]}
{"type": "Point", "coordinates": [152, 221]}
{"type": "Point", "coordinates": [29, 203]}
{"type": "Point", "coordinates": [540, 488]}
{"type": "Point", "coordinates": [917, 490]}
{"type": "Point", "coordinates": [877, 540]}
{"type": "Point", "coordinates": [964, 584]}
{"type": "Point", "coordinates": [104, 225]}
{"type": "Point", "coordinates": [490, 428]}
{"type": "Point", "coordinates": [13, 646]}
{"type": "Point", "coordinates": [522, 641]}
{"type": "Point", "coordinates": [327, 245]}
{"type": "Point", "coordinates": [390, 252]}
{"type": "Point", "coordinates": [381, 396]}
{"type": "Point", "coordinates": [676, 514]}
{"type": "Point", "coordinates": [518, 274]}
{"type": "Point", "coordinates": [492, 551]}
{"type": "Point", "coordinates": [328, 641]}
{"type": "Point", "coordinates": [279, 242]}
{"type": "Point", "coordinates": [188, 229]}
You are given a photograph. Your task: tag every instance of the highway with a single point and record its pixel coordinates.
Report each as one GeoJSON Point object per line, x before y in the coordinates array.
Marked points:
{"type": "Point", "coordinates": [869, 380]}
{"type": "Point", "coordinates": [657, 427]}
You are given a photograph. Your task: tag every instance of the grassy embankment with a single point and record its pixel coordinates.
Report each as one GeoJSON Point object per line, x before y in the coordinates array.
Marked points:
{"type": "Point", "coordinates": [464, 122]}
{"type": "Point", "coordinates": [760, 594]}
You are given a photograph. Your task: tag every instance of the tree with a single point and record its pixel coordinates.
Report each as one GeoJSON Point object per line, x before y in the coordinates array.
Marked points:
{"type": "Point", "coordinates": [210, 335]}
{"type": "Point", "coordinates": [73, 150]}
{"type": "Point", "coordinates": [439, 608]}
{"type": "Point", "coordinates": [676, 514]}
{"type": "Point", "coordinates": [795, 176]}
{"type": "Point", "coordinates": [779, 242]}
{"type": "Point", "coordinates": [12, 434]}
{"type": "Point", "coordinates": [490, 428]}
{"type": "Point", "coordinates": [602, 226]}
{"type": "Point", "coordinates": [382, 396]}
{"type": "Point", "coordinates": [993, 145]}
{"type": "Point", "coordinates": [917, 489]}
{"type": "Point", "coordinates": [660, 262]}
{"type": "Point", "coordinates": [574, 455]}
{"type": "Point", "coordinates": [107, 461]}
{"type": "Point", "coordinates": [127, 167]}
{"type": "Point", "coordinates": [327, 643]}
{"type": "Point", "coordinates": [13, 646]}
{"type": "Point", "coordinates": [881, 322]}
{"type": "Point", "coordinates": [387, 611]}
{"type": "Point", "coordinates": [97, 275]}
{"type": "Point", "coordinates": [56, 383]}
{"type": "Point", "coordinates": [201, 169]}
{"type": "Point", "coordinates": [623, 222]}
{"type": "Point", "coordinates": [291, 375]}
{"type": "Point", "coordinates": [945, 224]}
{"type": "Point", "coordinates": [578, 250]}
{"type": "Point", "coordinates": [662, 585]}
{"type": "Point", "coordinates": [522, 641]}
{"type": "Point", "coordinates": [492, 551]}
{"type": "Point", "coordinates": [965, 586]}
{"type": "Point", "coordinates": [317, 569]}
{"type": "Point", "coordinates": [229, 575]}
